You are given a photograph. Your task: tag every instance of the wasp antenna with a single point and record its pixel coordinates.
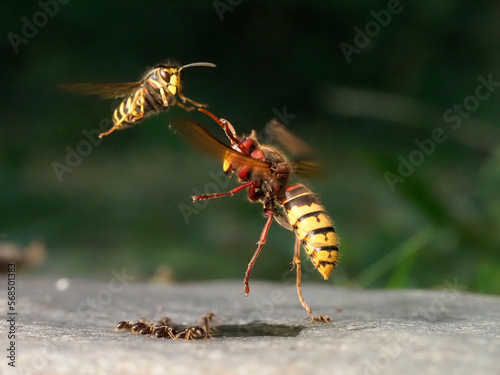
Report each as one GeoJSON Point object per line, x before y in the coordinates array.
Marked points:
{"type": "Point", "coordinates": [210, 65]}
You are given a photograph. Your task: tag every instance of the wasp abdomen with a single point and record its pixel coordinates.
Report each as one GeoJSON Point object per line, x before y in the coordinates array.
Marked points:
{"type": "Point", "coordinates": [123, 115]}
{"type": "Point", "coordinates": [131, 109]}
{"type": "Point", "coordinates": [313, 227]}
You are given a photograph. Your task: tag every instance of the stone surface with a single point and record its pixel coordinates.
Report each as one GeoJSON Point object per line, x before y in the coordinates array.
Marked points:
{"type": "Point", "coordinates": [66, 327]}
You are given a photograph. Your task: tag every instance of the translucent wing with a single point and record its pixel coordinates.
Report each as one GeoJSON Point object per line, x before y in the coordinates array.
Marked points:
{"type": "Point", "coordinates": [308, 168]}
{"type": "Point", "coordinates": [104, 90]}
{"type": "Point", "coordinates": [294, 145]}
{"type": "Point", "coordinates": [305, 163]}
{"type": "Point", "coordinates": [200, 138]}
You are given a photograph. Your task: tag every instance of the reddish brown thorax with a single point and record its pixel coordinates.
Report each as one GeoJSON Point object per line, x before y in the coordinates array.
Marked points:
{"type": "Point", "coordinates": [246, 146]}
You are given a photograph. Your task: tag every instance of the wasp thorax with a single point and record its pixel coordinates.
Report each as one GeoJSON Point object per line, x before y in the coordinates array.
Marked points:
{"type": "Point", "coordinates": [282, 170]}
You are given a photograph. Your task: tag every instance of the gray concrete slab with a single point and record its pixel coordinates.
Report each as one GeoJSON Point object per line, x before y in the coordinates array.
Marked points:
{"type": "Point", "coordinates": [65, 327]}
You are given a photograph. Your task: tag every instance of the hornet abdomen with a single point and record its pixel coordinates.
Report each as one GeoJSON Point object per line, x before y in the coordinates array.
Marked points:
{"type": "Point", "coordinates": [313, 227]}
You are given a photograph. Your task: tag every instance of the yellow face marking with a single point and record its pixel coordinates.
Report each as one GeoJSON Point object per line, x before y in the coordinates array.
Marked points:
{"type": "Point", "coordinates": [174, 79]}
{"type": "Point", "coordinates": [172, 89]}
{"type": "Point", "coordinates": [174, 83]}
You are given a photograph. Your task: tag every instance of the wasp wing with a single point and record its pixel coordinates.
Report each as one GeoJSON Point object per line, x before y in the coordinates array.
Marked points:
{"type": "Point", "coordinates": [308, 168]}
{"type": "Point", "coordinates": [293, 144]}
{"type": "Point", "coordinates": [305, 163]}
{"type": "Point", "coordinates": [104, 90]}
{"type": "Point", "coordinates": [200, 138]}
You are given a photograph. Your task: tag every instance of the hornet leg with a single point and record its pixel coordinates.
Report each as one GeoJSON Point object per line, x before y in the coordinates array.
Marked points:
{"type": "Point", "coordinates": [296, 263]}
{"type": "Point", "coordinates": [237, 189]}
{"type": "Point", "coordinates": [262, 241]}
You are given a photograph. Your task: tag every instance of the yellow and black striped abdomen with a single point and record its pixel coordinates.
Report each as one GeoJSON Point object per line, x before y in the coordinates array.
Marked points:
{"type": "Point", "coordinates": [137, 106]}
{"type": "Point", "coordinates": [126, 111]}
{"type": "Point", "coordinates": [313, 227]}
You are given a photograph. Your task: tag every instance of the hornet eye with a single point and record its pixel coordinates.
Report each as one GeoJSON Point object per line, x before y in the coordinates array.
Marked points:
{"type": "Point", "coordinates": [165, 75]}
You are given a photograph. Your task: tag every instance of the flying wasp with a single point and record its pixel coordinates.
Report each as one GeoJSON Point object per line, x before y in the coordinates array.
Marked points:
{"type": "Point", "coordinates": [266, 171]}
{"type": "Point", "coordinates": [157, 91]}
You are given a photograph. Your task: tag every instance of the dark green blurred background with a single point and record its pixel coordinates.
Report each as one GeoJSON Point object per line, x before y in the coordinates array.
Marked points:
{"type": "Point", "coordinates": [120, 206]}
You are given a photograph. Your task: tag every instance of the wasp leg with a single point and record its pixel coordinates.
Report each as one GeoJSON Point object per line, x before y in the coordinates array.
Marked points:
{"type": "Point", "coordinates": [185, 99]}
{"type": "Point", "coordinates": [129, 113]}
{"type": "Point", "coordinates": [296, 263]}
{"type": "Point", "coordinates": [262, 241]}
{"type": "Point", "coordinates": [185, 107]}
{"type": "Point", "coordinates": [115, 126]}
{"type": "Point", "coordinates": [163, 97]}
{"type": "Point", "coordinates": [139, 99]}
{"type": "Point", "coordinates": [218, 195]}
{"type": "Point", "coordinates": [186, 334]}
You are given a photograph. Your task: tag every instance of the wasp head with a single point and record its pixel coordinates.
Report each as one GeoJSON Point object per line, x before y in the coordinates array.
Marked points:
{"type": "Point", "coordinates": [170, 75]}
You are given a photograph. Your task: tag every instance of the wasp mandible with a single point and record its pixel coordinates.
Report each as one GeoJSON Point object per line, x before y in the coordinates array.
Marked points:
{"type": "Point", "coordinates": [265, 172]}
{"type": "Point", "coordinates": [157, 91]}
